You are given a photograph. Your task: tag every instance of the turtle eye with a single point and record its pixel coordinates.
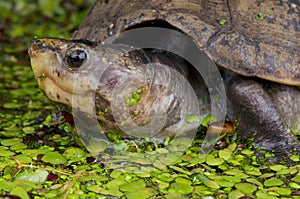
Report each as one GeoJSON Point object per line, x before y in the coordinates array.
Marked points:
{"type": "Point", "coordinates": [76, 58]}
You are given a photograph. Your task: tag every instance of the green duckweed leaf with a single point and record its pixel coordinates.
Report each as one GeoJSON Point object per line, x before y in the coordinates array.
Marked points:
{"type": "Point", "coordinates": [11, 142]}
{"type": "Point", "coordinates": [29, 130]}
{"type": "Point", "coordinates": [133, 186]}
{"type": "Point", "coordinates": [11, 105]}
{"type": "Point", "coordinates": [141, 194]}
{"type": "Point", "coordinates": [7, 186]}
{"type": "Point", "coordinates": [296, 178]}
{"type": "Point", "coordinates": [34, 152]}
{"type": "Point", "coordinates": [246, 188]}
{"type": "Point", "coordinates": [294, 185]}
{"type": "Point", "coordinates": [224, 183]}
{"type": "Point", "coordinates": [95, 188]}
{"type": "Point", "coordinates": [111, 192]}
{"type": "Point", "coordinates": [183, 181]}
{"type": "Point", "coordinates": [262, 194]}
{"type": "Point", "coordinates": [23, 159]}
{"type": "Point", "coordinates": [96, 178]}
{"type": "Point", "coordinates": [54, 158]}
{"type": "Point", "coordinates": [192, 118]}
{"type": "Point", "coordinates": [174, 196]}
{"type": "Point", "coordinates": [114, 184]}
{"type": "Point", "coordinates": [211, 160]}
{"type": "Point", "coordinates": [143, 174]}
{"type": "Point", "coordinates": [254, 172]}
{"type": "Point", "coordinates": [277, 167]}
{"type": "Point", "coordinates": [73, 153]}
{"type": "Point", "coordinates": [284, 191]}
{"type": "Point", "coordinates": [181, 170]}
{"type": "Point", "coordinates": [181, 188]}
{"type": "Point", "coordinates": [266, 175]}
{"type": "Point", "coordinates": [26, 185]}
{"type": "Point", "coordinates": [232, 179]}
{"type": "Point", "coordinates": [273, 182]}
{"type": "Point", "coordinates": [211, 184]}
{"type": "Point", "coordinates": [38, 176]}
{"type": "Point", "coordinates": [116, 173]}
{"type": "Point", "coordinates": [19, 191]}
{"type": "Point", "coordinates": [197, 160]}
{"type": "Point", "coordinates": [254, 181]}
{"type": "Point", "coordinates": [232, 146]}
{"type": "Point", "coordinates": [6, 153]}
{"type": "Point", "coordinates": [247, 152]}
{"type": "Point", "coordinates": [140, 160]}
{"type": "Point", "coordinates": [18, 146]}
{"type": "Point", "coordinates": [283, 172]}
{"type": "Point", "coordinates": [225, 154]}
{"type": "Point", "coordinates": [237, 173]}
{"type": "Point", "coordinates": [235, 195]}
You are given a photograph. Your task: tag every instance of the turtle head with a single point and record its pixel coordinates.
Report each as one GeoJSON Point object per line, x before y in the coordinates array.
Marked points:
{"type": "Point", "coordinates": [81, 74]}
{"type": "Point", "coordinates": [63, 69]}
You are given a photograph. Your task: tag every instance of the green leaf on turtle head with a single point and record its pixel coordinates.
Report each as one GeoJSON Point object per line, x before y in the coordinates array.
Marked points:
{"type": "Point", "coordinates": [223, 21]}
{"type": "Point", "coordinates": [260, 16]}
{"type": "Point", "coordinates": [192, 118]}
{"type": "Point", "coordinates": [134, 98]}
{"type": "Point", "coordinates": [208, 119]}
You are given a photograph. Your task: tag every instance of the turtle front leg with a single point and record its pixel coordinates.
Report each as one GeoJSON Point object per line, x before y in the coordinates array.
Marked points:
{"type": "Point", "coordinates": [259, 117]}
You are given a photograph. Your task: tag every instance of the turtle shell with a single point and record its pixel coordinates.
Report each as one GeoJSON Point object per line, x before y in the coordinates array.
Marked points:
{"type": "Point", "coordinates": [253, 38]}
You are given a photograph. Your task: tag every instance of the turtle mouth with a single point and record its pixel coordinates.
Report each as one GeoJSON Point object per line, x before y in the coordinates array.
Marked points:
{"type": "Point", "coordinates": [54, 91]}
{"type": "Point", "coordinates": [84, 102]}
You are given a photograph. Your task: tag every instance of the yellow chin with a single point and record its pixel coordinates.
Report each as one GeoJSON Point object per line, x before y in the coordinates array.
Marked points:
{"type": "Point", "coordinates": [54, 92]}
{"type": "Point", "coordinates": [81, 102]}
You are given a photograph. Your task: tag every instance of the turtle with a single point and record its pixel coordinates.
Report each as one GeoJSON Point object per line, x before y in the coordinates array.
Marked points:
{"type": "Point", "coordinates": [255, 45]}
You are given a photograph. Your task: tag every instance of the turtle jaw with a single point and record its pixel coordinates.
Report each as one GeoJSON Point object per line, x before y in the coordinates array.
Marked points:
{"type": "Point", "coordinates": [82, 102]}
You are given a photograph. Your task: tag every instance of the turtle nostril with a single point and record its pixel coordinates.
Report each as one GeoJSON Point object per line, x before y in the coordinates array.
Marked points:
{"type": "Point", "coordinates": [37, 42]}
